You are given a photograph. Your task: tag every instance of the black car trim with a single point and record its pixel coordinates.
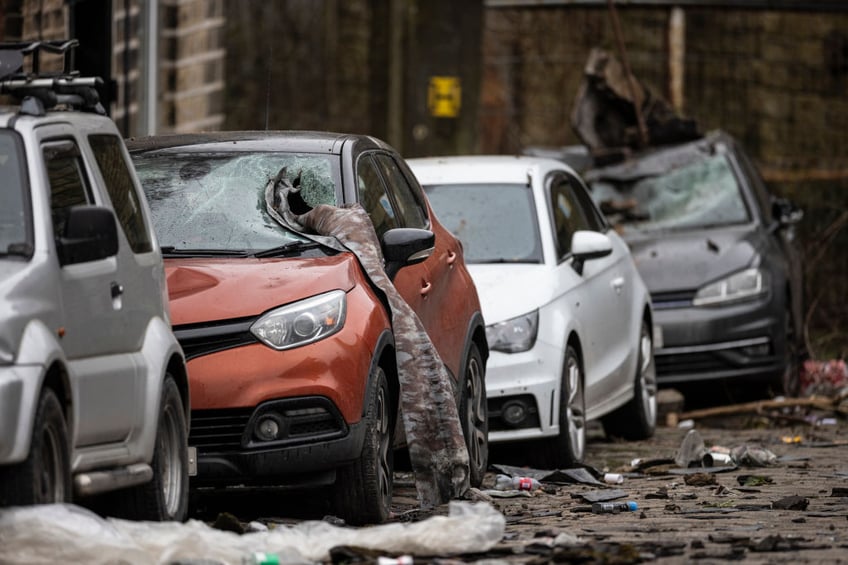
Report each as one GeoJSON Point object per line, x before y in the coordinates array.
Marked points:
{"type": "Point", "coordinates": [203, 339]}
{"type": "Point", "coordinates": [712, 346]}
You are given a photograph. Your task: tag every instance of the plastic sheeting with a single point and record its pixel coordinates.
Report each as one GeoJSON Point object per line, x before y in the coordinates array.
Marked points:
{"type": "Point", "coordinates": [65, 533]}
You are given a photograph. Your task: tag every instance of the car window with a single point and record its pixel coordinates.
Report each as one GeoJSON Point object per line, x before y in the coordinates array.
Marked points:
{"type": "Point", "coordinates": [750, 172]}
{"type": "Point", "coordinates": [697, 194]}
{"type": "Point", "coordinates": [373, 197]}
{"type": "Point", "coordinates": [496, 223]}
{"type": "Point", "coordinates": [567, 213]}
{"type": "Point", "coordinates": [410, 210]}
{"type": "Point", "coordinates": [594, 218]}
{"type": "Point", "coordinates": [68, 182]}
{"type": "Point", "coordinates": [122, 192]}
{"type": "Point", "coordinates": [216, 200]}
{"type": "Point", "coordinates": [13, 216]}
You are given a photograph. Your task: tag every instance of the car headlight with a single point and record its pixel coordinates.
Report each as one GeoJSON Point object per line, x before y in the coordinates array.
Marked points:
{"type": "Point", "coordinates": [302, 322]}
{"type": "Point", "coordinates": [514, 335]}
{"type": "Point", "coordinates": [744, 285]}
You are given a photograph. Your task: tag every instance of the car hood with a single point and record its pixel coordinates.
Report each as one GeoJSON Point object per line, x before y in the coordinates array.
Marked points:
{"type": "Point", "coordinates": [671, 261]}
{"type": "Point", "coordinates": [205, 290]}
{"type": "Point", "coordinates": [508, 290]}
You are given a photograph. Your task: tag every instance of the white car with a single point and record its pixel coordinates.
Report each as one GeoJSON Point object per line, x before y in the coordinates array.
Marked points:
{"type": "Point", "coordinates": [569, 320]}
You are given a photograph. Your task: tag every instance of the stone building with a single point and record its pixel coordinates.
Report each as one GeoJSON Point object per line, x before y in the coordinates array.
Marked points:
{"type": "Point", "coordinates": [162, 61]}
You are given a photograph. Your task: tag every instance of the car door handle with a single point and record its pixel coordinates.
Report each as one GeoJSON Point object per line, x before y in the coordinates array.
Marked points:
{"type": "Point", "coordinates": [451, 257]}
{"type": "Point", "coordinates": [617, 284]}
{"type": "Point", "coordinates": [116, 289]}
{"type": "Point", "coordinates": [425, 288]}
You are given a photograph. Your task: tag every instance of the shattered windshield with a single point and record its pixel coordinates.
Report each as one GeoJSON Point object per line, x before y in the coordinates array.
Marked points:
{"type": "Point", "coordinates": [699, 194]}
{"type": "Point", "coordinates": [14, 239]}
{"type": "Point", "coordinates": [215, 201]}
{"type": "Point", "coordinates": [496, 223]}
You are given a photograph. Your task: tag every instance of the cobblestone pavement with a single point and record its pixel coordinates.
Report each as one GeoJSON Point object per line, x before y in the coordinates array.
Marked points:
{"type": "Point", "coordinates": [793, 511]}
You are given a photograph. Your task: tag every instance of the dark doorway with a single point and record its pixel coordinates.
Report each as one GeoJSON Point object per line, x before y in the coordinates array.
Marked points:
{"type": "Point", "coordinates": [90, 21]}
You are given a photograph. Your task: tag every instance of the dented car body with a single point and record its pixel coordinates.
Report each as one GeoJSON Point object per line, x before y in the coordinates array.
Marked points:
{"type": "Point", "coordinates": [289, 344]}
{"type": "Point", "coordinates": [718, 255]}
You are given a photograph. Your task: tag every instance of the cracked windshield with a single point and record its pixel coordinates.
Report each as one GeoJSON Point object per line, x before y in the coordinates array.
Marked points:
{"type": "Point", "coordinates": [217, 202]}
{"type": "Point", "coordinates": [698, 195]}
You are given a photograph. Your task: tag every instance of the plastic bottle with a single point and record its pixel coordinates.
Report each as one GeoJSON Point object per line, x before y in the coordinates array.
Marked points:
{"type": "Point", "coordinates": [261, 558]}
{"type": "Point", "coordinates": [505, 482]}
{"type": "Point", "coordinates": [614, 507]}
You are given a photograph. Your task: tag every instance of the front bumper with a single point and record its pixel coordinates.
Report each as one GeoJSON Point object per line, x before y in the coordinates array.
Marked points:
{"type": "Point", "coordinates": [532, 378]}
{"type": "Point", "coordinates": [314, 442]}
{"type": "Point", "coordinates": [744, 340]}
{"type": "Point", "coordinates": [18, 400]}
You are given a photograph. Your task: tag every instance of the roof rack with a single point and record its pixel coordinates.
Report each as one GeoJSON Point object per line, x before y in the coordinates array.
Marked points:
{"type": "Point", "coordinates": [40, 91]}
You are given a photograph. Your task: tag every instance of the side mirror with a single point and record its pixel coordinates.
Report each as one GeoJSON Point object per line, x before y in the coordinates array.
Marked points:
{"type": "Point", "coordinates": [91, 233]}
{"type": "Point", "coordinates": [406, 246]}
{"type": "Point", "coordinates": [785, 212]}
{"type": "Point", "coordinates": [587, 245]}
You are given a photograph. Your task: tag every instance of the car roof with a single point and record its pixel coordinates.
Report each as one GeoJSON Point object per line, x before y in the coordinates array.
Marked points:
{"type": "Point", "coordinates": [661, 159]}
{"type": "Point", "coordinates": [482, 168]}
{"type": "Point", "coordinates": [259, 140]}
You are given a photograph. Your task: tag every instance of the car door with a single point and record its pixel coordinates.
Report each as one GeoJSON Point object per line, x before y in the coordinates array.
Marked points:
{"type": "Point", "coordinates": [603, 293]}
{"type": "Point", "coordinates": [104, 377]}
{"type": "Point", "coordinates": [391, 201]}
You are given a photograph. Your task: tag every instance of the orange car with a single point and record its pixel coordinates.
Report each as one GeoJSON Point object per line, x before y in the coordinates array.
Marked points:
{"type": "Point", "coordinates": [290, 350]}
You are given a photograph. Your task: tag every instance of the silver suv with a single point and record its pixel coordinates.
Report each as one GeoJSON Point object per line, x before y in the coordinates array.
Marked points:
{"type": "Point", "coordinates": [93, 388]}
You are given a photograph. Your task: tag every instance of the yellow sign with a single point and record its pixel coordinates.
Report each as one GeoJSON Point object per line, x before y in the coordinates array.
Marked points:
{"type": "Point", "coordinates": [444, 97]}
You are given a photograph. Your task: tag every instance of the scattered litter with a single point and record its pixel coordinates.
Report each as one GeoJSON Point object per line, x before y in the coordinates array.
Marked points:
{"type": "Point", "coordinates": [613, 478]}
{"type": "Point", "coordinates": [686, 424]}
{"type": "Point", "coordinates": [691, 451]}
{"type": "Point", "coordinates": [753, 456]}
{"type": "Point", "coordinates": [792, 439]}
{"type": "Point", "coordinates": [506, 483]}
{"type": "Point", "coordinates": [66, 533]}
{"type": "Point", "coordinates": [614, 507]}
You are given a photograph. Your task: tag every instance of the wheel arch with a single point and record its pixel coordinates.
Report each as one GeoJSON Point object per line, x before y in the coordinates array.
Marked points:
{"type": "Point", "coordinates": [176, 367]}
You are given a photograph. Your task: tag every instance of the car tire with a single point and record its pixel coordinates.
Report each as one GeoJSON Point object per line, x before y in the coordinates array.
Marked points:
{"type": "Point", "coordinates": [362, 493]}
{"type": "Point", "coordinates": [569, 447]}
{"type": "Point", "coordinates": [44, 477]}
{"type": "Point", "coordinates": [165, 497]}
{"type": "Point", "coordinates": [638, 418]}
{"type": "Point", "coordinates": [473, 415]}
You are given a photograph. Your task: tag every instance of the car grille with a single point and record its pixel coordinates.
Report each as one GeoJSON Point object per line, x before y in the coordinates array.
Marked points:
{"type": "Point", "coordinates": [218, 430]}
{"type": "Point", "coordinates": [202, 339]}
{"type": "Point", "coordinates": [717, 360]}
{"type": "Point", "coordinates": [672, 299]}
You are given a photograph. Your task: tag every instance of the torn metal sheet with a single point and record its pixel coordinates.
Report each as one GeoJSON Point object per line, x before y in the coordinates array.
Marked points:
{"type": "Point", "coordinates": [431, 422]}
{"type": "Point", "coordinates": [604, 115]}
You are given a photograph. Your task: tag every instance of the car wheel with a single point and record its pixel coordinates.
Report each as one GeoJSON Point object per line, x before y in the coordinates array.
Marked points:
{"type": "Point", "coordinates": [44, 477]}
{"type": "Point", "coordinates": [638, 418]}
{"type": "Point", "coordinates": [362, 493]}
{"type": "Point", "coordinates": [165, 497]}
{"type": "Point", "coordinates": [472, 412]}
{"type": "Point", "coordinates": [568, 448]}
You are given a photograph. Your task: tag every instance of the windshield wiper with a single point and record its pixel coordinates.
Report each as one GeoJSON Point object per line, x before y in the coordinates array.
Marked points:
{"type": "Point", "coordinates": [171, 251]}
{"type": "Point", "coordinates": [287, 249]}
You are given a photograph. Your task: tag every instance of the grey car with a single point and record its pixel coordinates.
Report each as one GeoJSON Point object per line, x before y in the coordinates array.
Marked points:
{"type": "Point", "coordinates": [718, 254]}
{"type": "Point", "coordinates": [93, 384]}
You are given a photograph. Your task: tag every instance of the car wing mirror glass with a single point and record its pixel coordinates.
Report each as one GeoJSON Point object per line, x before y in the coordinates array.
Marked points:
{"type": "Point", "coordinates": [406, 246]}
